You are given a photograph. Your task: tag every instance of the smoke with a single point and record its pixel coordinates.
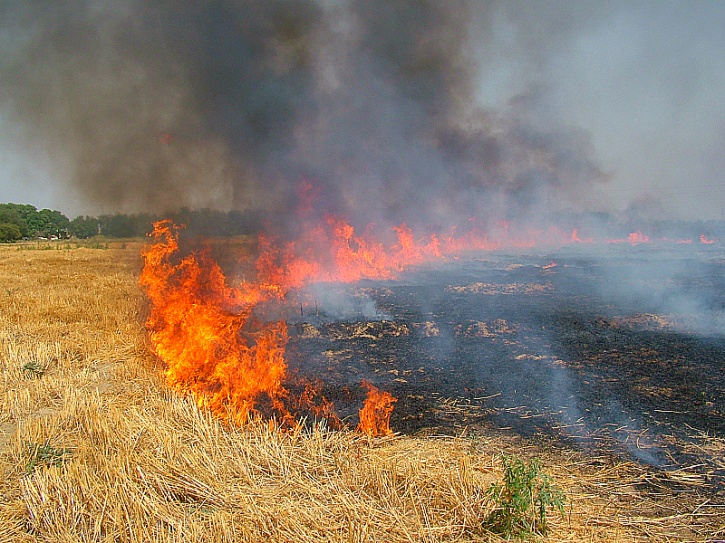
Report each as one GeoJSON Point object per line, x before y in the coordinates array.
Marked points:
{"type": "Point", "coordinates": [234, 105]}
{"type": "Point", "coordinates": [685, 285]}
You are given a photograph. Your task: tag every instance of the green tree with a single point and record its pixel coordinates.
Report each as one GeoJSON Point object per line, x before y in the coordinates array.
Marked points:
{"type": "Point", "coordinates": [83, 227]}
{"type": "Point", "coordinates": [10, 215]}
{"type": "Point", "coordinates": [51, 223]}
{"type": "Point", "coordinates": [30, 216]}
{"type": "Point", "coordinates": [117, 226]}
{"type": "Point", "coordinates": [126, 226]}
{"type": "Point", "coordinates": [9, 232]}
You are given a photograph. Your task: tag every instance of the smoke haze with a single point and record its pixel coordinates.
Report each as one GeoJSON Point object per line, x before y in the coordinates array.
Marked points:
{"type": "Point", "coordinates": [428, 113]}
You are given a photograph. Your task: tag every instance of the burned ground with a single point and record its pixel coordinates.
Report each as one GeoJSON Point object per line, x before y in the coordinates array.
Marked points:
{"type": "Point", "coordinates": [623, 355]}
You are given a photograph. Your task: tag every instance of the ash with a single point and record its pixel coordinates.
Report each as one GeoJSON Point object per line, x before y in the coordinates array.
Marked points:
{"type": "Point", "coordinates": [620, 353]}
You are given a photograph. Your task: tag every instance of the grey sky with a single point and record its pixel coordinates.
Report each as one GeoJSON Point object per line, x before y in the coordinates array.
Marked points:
{"type": "Point", "coordinates": [625, 102]}
{"type": "Point", "coordinates": [645, 79]}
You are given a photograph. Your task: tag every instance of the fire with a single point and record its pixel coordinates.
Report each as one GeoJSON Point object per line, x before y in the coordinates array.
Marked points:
{"type": "Point", "coordinates": [213, 346]}
{"type": "Point", "coordinates": [634, 238]}
{"type": "Point", "coordinates": [637, 237]}
{"type": "Point", "coordinates": [219, 350]}
{"type": "Point", "coordinates": [335, 252]}
{"type": "Point", "coordinates": [204, 332]}
{"type": "Point", "coordinates": [575, 238]}
{"type": "Point", "coordinates": [375, 414]}
{"type": "Point", "coordinates": [705, 240]}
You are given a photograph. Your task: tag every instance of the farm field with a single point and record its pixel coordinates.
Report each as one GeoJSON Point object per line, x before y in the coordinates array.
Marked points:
{"type": "Point", "coordinates": [95, 447]}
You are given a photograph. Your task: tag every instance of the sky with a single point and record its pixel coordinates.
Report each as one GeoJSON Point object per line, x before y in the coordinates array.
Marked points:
{"type": "Point", "coordinates": [412, 111]}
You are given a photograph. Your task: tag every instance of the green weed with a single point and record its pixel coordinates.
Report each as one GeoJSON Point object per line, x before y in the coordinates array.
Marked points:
{"type": "Point", "coordinates": [33, 369]}
{"type": "Point", "coordinates": [44, 454]}
{"type": "Point", "coordinates": [522, 499]}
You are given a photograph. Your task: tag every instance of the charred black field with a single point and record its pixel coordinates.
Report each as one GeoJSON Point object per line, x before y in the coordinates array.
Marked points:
{"type": "Point", "coordinates": [620, 353]}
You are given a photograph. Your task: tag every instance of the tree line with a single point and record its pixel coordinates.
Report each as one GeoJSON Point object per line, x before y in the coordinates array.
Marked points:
{"type": "Point", "coordinates": [24, 221]}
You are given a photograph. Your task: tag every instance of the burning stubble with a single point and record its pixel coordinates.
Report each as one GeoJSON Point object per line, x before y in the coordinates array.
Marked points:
{"type": "Point", "coordinates": [217, 348]}
{"type": "Point", "coordinates": [370, 109]}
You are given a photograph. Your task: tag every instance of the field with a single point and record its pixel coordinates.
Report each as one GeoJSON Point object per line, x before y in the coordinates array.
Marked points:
{"type": "Point", "coordinates": [94, 447]}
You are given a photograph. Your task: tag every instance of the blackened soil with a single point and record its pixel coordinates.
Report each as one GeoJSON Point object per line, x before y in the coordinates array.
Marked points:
{"type": "Point", "coordinates": [624, 353]}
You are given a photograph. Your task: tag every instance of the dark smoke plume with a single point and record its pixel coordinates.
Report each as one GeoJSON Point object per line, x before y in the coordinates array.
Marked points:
{"type": "Point", "coordinates": [150, 106]}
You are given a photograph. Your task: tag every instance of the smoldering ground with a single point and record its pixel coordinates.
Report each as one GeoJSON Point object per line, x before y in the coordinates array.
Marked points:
{"type": "Point", "coordinates": [508, 343]}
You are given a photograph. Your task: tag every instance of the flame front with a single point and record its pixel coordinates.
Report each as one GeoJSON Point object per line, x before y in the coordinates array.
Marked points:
{"type": "Point", "coordinates": [203, 331]}
{"type": "Point", "coordinates": [375, 414]}
{"type": "Point", "coordinates": [216, 350]}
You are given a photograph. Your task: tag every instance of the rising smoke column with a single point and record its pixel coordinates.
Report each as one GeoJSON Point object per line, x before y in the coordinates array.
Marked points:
{"type": "Point", "coordinates": [153, 106]}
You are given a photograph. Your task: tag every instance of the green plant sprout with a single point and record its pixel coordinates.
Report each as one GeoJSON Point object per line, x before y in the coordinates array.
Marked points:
{"type": "Point", "coordinates": [522, 499]}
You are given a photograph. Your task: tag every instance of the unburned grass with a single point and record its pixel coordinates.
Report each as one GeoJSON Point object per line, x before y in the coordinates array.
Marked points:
{"type": "Point", "coordinates": [93, 447]}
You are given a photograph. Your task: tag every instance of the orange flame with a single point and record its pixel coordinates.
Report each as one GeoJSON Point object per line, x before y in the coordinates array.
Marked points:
{"type": "Point", "coordinates": [211, 344]}
{"type": "Point", "coordinates": [637, 237]}
{"type": "Point", "coordinates": [634, 238]}
{"type": "Point", "coordinates": [575, 238]}
{"type": "Point", "coordinates": [375, 414]}
{"type": "Point", "coordinates": [231, 361]}
{"type": "Point", "coordinates": [203, 331]}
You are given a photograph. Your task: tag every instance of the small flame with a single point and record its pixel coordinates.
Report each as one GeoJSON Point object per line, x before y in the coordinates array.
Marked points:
{"type": "Point", "coordinates": [375, 414]}
{"type": "Point", "coordinates": [634, 238]}
{"type": "Point", "coordinates": [705, 240]}
{"type": "Point", "coordinates": [637, 237]}
{"type": "Point", "coordinates": [575, 238]}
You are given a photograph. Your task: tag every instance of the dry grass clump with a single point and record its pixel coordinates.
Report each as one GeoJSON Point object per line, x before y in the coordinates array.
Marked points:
{"type": "Point", "coordinates": [93, 447]}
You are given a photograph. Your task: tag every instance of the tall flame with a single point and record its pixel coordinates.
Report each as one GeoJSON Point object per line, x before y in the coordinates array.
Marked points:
{"type": "Point", "coordinates": [202, 329]}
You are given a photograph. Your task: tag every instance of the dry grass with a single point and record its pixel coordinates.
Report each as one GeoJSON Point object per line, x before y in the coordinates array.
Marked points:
{"type": "Point", "coordinates": [94, 448]}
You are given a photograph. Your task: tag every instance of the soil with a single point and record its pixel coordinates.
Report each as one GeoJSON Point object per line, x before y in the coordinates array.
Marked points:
{"type": "Point", "coordinates": [621, 353]}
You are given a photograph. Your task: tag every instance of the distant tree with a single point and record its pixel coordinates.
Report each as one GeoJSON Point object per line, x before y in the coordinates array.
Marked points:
{"type": "Point", "coordinates": [32, 218]}
{"type": "Point", "coordinates": [126, 226]}
{"type": "Point", "coordinates": [50, 223]}
{"type": "Point", "coordinates": [9, 232]}
{"type": "Point", "coordinates": [83, 227]}
{"type": "Point", "coordinates": [116, 226]}
{"type": "Point", "coordinates": [26, 211]}
{"type": "Point", "coordinates": [10, 215]}
{"type": "Point", "coordinates": [210, 222]}
{"type": "Point", "coordinates": [144, 223]}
